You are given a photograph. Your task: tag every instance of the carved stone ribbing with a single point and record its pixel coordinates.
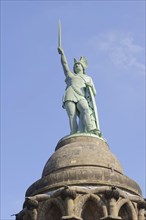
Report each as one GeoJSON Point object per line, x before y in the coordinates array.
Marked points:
{"type": "Point", "coordinates": [113, 193]}
{"type": "Point", "coordinates": [67, 192]}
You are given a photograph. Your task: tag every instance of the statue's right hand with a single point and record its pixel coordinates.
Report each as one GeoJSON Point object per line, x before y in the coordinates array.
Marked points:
{"type": "Point", "coordinates": [60, 50]}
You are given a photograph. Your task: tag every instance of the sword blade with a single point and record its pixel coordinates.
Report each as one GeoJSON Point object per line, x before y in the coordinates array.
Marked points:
{"type": "Point", "coordinates": [59, 34]}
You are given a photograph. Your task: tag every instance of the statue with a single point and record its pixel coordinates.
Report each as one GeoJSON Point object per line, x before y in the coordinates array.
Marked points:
{"type": "Point", "coordinates": [78, 99]}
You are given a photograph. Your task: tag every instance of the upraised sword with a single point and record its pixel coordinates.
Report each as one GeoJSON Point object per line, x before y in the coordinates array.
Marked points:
{"type": "Point", "coordinates": [59, 34]}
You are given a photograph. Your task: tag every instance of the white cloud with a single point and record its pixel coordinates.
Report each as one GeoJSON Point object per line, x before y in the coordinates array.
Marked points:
{"type": "Point", "coordinates": [121, 50]}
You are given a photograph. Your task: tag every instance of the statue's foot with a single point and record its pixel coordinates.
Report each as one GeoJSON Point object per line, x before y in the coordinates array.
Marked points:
{"type": "Point", "coordinates": [96, 132]}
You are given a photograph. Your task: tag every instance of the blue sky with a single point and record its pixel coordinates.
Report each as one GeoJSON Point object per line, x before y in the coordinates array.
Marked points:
{"type": "Point", "coordinates": [111, 34]}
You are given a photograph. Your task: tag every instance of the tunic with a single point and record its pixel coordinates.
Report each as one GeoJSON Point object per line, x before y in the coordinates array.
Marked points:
{"type": "Point", "coordinates": [76, 87]}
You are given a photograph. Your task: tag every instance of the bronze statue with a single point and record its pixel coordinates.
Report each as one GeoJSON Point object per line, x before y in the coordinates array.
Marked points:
{"type": "Point", "coordinates": [78, 99]}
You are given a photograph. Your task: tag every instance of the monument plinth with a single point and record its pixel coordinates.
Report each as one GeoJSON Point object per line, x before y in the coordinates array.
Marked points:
{"type": "Point", "coordinates": [82, 160]}
{"type": "Point", "coordinates": [84, 180]}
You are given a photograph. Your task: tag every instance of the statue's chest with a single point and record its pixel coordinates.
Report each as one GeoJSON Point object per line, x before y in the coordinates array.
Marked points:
{"type": "Point", "coordinates": [78, 80]}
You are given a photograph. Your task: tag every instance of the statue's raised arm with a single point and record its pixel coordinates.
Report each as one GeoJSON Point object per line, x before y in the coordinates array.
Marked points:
{"type": "Point", "coordinates": [64, 61]}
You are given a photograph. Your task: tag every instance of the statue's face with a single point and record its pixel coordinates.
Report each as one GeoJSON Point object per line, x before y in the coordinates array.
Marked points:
{"type": "Point", "coordinates": [78, 68]}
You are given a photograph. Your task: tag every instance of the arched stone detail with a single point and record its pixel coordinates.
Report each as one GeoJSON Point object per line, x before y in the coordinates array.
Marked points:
{"type": "Point", "coordinates": [46, 206]}
{"type": "Point", "coordinates": [120, 203]}
{"type": "Point", "coordinates": [95, 198]}
{"type": "Point", "coordinates": [130, 208]}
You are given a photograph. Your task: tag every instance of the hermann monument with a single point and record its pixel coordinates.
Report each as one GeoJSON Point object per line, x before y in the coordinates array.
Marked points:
{"type": "Point", "coordinates": [82, 180]}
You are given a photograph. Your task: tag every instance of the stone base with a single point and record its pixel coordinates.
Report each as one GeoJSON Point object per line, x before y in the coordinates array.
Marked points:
{"type": "Point", "coordinates": [71, 218]}
{"type": "Point", "coordinates": [70, 166]}
{"type": "Point", "coordinates": [110, 218]}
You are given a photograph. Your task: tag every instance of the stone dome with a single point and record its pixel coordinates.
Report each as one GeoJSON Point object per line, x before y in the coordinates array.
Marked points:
{"type": "Point", "coordinates": [80, 151]}
{"type": "Point", "coordinates": [82, 160]}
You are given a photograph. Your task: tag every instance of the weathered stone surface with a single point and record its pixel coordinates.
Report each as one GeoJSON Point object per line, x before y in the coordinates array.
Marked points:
{"type": "Point", "coordinates": [82, 160]}
{"type": "Point", "coordinates": [88, 203]}
{"type": "Point", "coordinates": [83, 180]}
{"type": "Point", "coordinates": [110, 218]}
{"type": "Point", "coordinates": [82, 151]}
{"type": "Point", "coordinates": [70, 218]}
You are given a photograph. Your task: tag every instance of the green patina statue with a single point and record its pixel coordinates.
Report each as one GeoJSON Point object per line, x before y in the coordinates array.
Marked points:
{"type": "Point", "coordinates": [78, 99]}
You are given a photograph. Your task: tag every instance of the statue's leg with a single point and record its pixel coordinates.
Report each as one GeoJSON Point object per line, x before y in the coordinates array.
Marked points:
{"type": "Point", "coordinates": [83, 107]}
{"type": "Point", "coordinates": [71, 111]}
{"type": "Point", "coordinates": [81, 125]}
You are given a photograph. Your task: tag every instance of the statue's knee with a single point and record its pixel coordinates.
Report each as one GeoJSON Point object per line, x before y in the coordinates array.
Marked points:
{"type": "Point", "coordinates": [86, 111]}
{"type": "Point", "coordinates": [71, 115]}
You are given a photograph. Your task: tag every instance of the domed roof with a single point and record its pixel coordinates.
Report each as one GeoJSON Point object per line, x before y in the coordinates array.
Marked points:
{"type": "Point", "coordinates": [82, 151]}
{"type": "Point", "coordinates": [82, 160]}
